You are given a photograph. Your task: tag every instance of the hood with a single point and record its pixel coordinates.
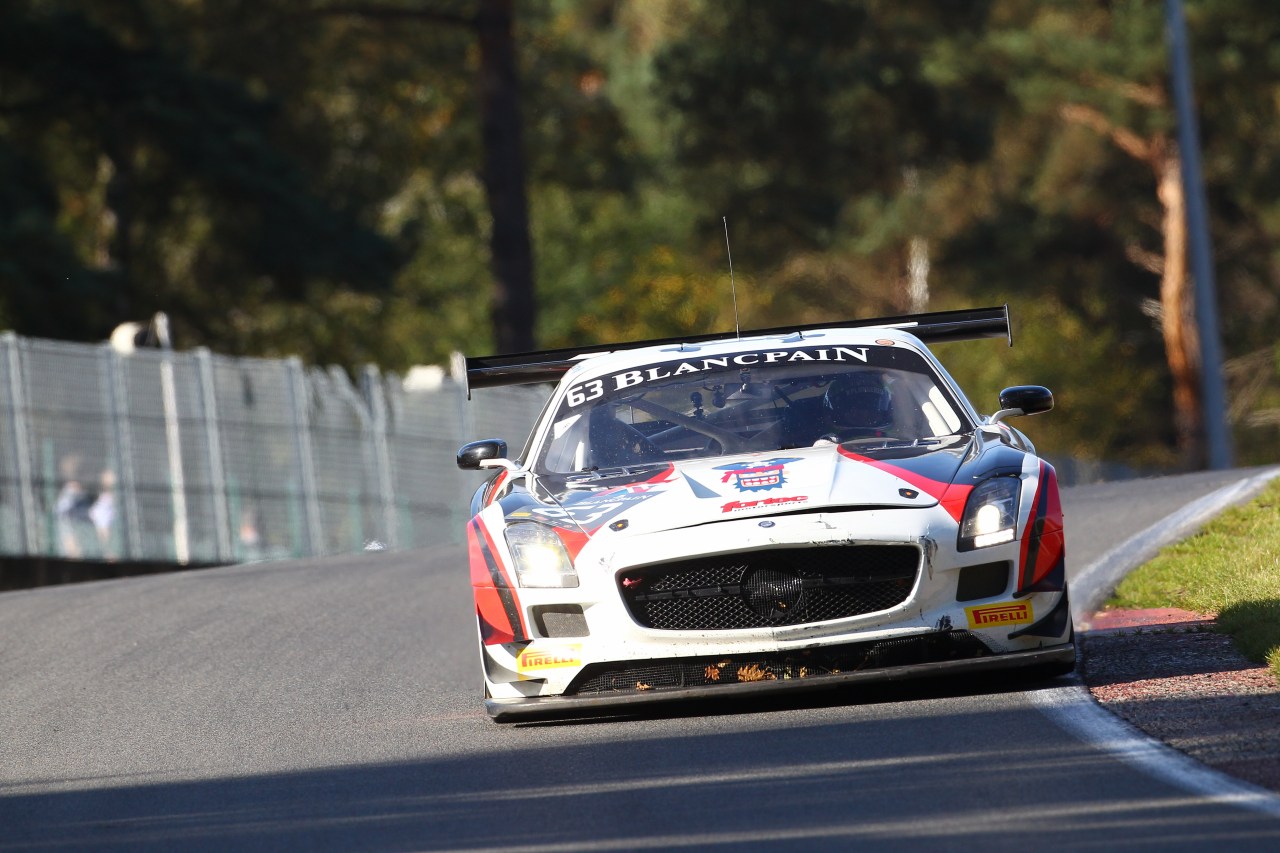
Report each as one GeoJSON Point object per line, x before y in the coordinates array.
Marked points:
{"type": "Point", "coordinates": [753, 484]}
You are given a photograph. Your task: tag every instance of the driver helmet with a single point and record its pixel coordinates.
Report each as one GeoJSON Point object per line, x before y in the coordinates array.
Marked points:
{"type": "Point", "coordinates": [858, 401]}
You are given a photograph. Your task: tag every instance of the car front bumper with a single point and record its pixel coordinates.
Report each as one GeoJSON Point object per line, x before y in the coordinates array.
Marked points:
{"type": "Point", "coordinates": [1058, 658]}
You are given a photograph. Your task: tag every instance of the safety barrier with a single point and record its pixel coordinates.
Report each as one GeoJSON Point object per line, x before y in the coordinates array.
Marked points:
{"type": "Point", "coordinates": [195, 458]}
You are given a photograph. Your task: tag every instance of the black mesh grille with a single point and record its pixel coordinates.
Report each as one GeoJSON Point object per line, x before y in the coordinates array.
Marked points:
{"type": "Point", "coordinates": [773, 587]}
{"type": "Point", "coordinates": [678, 673]}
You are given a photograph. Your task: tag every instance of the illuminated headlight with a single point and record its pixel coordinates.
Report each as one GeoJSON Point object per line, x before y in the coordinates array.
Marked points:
{"type": "Point", "coordinates": [540, 557]}
{"type": "Point", "coordinates": [991, 514]}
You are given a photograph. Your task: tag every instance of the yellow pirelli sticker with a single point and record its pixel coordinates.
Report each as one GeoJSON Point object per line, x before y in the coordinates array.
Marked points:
{"type": "Point", "coordinates": [998, 615]}
{"type": "Point", "coordinates": [535, 659]}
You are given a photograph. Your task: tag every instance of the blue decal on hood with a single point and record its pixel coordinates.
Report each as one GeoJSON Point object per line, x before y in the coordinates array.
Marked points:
{"type": "Point", "coordinates": [699, 490]}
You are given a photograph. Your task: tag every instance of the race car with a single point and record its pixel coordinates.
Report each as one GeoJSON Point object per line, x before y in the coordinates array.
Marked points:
{"type": "Point", "coordinates": [780, 509]}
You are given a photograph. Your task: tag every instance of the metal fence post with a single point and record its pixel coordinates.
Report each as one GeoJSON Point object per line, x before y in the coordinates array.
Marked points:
{"type": "Point", "coordinates": [122, 445]}
{"type": "Point", "coordinates": [377, 402]}
{"type": "Point", "coordinates": [217, 472]}
{"type": "Point", "coordinates": [312, 533]}
{"type": "Point", "coordinates": [173, 441]}
{"type": "Point", "coordinates": [21, 449]}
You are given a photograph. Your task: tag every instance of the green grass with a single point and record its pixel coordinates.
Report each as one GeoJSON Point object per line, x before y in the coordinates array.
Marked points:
{"type": "Point", "coordinates": [1231, 568]}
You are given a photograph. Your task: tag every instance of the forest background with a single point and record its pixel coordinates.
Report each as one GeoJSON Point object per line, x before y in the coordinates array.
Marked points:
{"type": "Point", "coordinates": [386, 181]}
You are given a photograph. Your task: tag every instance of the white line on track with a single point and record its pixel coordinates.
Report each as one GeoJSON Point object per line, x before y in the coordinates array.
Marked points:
{"type": "Point", "coordinates": [1074, 709]}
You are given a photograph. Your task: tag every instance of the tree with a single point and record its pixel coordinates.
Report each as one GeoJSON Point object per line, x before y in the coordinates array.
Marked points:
{"type": "Point", "coordinates": [789, 112]}
{"type": "Point", "coordinates": [1101, 70]}
{"type": "Point", "coordinates": [491, 22]}
{"type": "Point", "coordinates": [854, 134]}
{"type": "Point", "coordinates": [151, 151]}
{"type": "Point", "coordinates": [302, 153]}
{"type": "Point", "coordinates": [1104, 70]}
{"type": "Point", "coordinates": [39, 270]}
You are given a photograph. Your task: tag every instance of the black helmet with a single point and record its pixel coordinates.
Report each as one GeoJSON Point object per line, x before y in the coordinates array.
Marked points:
{"type": "Point", "coordinates": [858, 401]}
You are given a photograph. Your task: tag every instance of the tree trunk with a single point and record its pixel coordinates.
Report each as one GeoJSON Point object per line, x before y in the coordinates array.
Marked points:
{"type": "Point", "coordinates": [1177, 308]}
{"type": "Point", "coordinates": [504, 180]}
{"type": "Point", "coordinates": [115, 241]}
{"type": "Point", "coordinates": [1177, 319]}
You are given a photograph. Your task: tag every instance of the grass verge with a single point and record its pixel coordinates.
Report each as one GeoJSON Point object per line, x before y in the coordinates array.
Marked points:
{"type": "Point", "coordinates": [1231, 568]}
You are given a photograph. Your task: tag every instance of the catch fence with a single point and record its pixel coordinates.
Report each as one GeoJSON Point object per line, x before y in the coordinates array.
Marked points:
{"type": "Point", "coordinates": [196, 458]}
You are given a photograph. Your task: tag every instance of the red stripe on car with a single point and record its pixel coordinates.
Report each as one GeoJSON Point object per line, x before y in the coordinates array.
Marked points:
{"type": "Point", "coordinates": [1042, 559]}
{"type": "Point", "coordinates": [497, 604]}
{"type": "Point", "coordinates": [950, 495]}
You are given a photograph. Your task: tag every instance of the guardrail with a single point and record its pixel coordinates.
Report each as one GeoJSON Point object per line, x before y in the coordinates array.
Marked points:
{"type": "Point", "coordinates": [196, 458]}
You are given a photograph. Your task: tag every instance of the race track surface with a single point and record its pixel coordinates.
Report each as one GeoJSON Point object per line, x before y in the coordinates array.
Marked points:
{"type": "Point", "coordinates": [334, 704]}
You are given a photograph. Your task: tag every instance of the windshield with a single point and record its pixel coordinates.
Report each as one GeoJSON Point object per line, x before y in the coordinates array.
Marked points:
{"type": "Point", "coordinates": [705, 406]}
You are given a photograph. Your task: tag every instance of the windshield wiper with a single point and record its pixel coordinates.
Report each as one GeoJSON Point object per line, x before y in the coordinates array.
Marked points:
{"type": "Point", "coordinates": [588, 477]}
{"type": "Point", "coordinates": [894, 443]}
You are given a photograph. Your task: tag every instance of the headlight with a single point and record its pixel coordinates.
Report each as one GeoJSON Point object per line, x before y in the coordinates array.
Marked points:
{"type": "Point", "coordinates": [991, 514]}
{"type": "Point", "coordinates": [540, 557]}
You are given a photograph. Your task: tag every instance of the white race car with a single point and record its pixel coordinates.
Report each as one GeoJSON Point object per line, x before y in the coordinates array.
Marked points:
{"type": "Point", "coordinates": [781, 509]}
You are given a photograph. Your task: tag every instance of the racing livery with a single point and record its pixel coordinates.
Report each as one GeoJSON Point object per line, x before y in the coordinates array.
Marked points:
{"type": "Point", "coordinates": [789, 508]}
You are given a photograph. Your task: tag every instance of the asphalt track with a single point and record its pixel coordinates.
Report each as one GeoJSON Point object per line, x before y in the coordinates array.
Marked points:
{"type": "Point", "coordinates": [333, 704]}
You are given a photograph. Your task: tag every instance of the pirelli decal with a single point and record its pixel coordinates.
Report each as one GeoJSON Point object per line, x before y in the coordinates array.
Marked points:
{"type": "Point", "coordinates": [534, 659]}
{"type": "Point", "coordinates": [999, 615]}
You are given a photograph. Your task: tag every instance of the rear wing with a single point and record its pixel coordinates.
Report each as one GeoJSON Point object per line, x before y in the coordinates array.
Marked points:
{"type": "Point", "coordinates": [549, 365]}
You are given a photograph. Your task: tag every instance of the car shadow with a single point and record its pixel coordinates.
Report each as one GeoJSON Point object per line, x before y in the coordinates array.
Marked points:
{"type": "Point", "coordinates": [780, 782]}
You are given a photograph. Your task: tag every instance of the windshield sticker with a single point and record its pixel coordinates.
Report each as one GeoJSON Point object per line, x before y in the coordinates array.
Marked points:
{"type": "Point", "coordinates": [757, 476]}
{"type": "Point", "coordinates": [594, 389]}
{"type": "Point", "coordinates": [561, 427]}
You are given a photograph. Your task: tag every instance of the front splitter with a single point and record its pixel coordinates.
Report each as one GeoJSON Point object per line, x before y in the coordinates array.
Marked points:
{"type": "Point", "coordinates": [553, 707]}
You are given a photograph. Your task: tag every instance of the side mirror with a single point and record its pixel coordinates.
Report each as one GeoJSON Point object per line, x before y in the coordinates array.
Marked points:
{"type": "Point", "coordinates": [472, 455]}
{"type": "Point", "coordinates": [1023, 400]}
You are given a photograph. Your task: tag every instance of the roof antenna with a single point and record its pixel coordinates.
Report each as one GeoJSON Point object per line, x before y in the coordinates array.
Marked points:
{"type": "Point", "coordinates": [736, 329]}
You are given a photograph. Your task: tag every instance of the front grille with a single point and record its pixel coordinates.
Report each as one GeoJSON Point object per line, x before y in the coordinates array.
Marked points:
{"type": "Point", "coordinates": [676, 673]}
{"type": "Point", "coordinates": [771, 587]}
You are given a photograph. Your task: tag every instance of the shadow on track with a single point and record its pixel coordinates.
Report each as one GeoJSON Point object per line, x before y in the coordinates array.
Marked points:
{"type": "Point", "coordinates": [787, 781]}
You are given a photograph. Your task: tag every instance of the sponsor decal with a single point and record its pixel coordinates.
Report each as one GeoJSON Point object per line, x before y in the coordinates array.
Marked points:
{"type": "Point", "coordinates": [699, 490]}
{"type": "Point", "coordinates": [996, 615]}
{"type": "Point", "coordinates": [531, 659]}
{"type": "Point", "coordinates": [757, 476]}
{"type": "Point", "coordinates": [734, 506]}
{"type": "Point", "coordinates": [594, 510]}
{"type": "Point", "coordinates": [594, 389]}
